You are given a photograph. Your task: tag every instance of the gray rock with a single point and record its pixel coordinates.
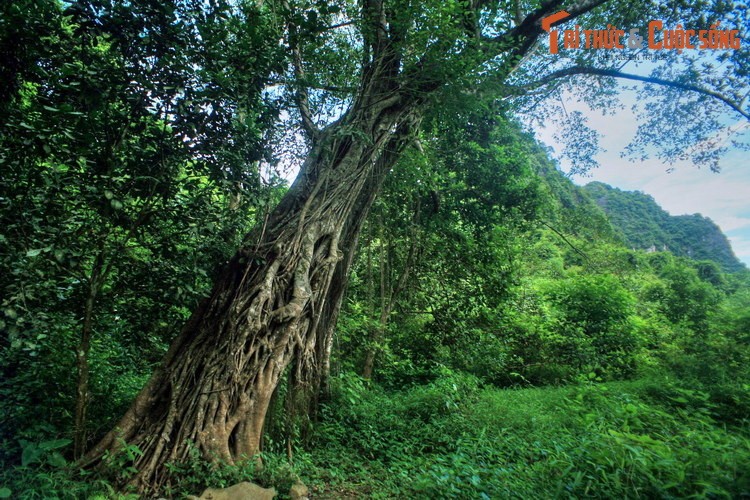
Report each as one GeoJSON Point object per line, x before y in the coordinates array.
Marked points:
{"type": "Point", "coordinates": [299, 491]}
{"type": "Point", "coordinates": [240, 491]}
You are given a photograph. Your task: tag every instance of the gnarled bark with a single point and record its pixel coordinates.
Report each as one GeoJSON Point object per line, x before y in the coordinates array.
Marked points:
{"type": "Point", "coordinates": [276, 301]}
{"type": "Point", "coordinates": [311, 370]}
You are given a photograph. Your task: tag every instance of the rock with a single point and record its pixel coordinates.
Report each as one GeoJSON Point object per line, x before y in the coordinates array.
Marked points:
{"type": "Point", "coordinates": [240, 491]}
{"type": "Point", "coordinates": [299, 491]}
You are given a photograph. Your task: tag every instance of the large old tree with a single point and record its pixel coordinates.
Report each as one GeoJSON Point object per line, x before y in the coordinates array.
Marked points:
{"type": "Point", "coordinates": [360, 77]}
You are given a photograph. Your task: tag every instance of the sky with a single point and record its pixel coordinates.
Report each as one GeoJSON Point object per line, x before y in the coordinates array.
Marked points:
{"type": "Point", "coordinates": [723, 197]}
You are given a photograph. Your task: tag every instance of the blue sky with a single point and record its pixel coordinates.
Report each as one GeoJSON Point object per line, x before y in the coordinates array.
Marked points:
{"type": "Point", "coordinates": [723, 197]}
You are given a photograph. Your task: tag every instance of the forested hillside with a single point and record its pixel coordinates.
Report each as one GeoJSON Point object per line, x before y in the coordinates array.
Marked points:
{"type": "Point", "coordinates": [430, 310]}
{"type": "Point", "coordinates": [646, 226]}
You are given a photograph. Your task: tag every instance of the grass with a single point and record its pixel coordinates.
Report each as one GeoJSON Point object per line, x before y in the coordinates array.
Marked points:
{"type": "Point", "coordinates": [453, 438]}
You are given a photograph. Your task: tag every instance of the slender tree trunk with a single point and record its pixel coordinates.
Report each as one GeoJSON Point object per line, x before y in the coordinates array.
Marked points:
{"type": "Point", "coordinates": [388, 295]}
{"type": "Point", "coordinates": [82, 358]}
{"type": "Point", "coordinates": [378, 333]}
{"type": "Point", "coordinates": [99, 273]}
{"type": "Point", "coordinates": [377, 336]}
{"type": "Point", "coordinates": [276, 300]}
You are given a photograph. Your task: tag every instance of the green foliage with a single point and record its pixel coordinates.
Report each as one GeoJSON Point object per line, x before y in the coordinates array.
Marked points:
{"type": "Point", "coordinates": [591, 328]}
{"type": "Point", "coordinates": [449, 222]}
{"type": "Point", "coordinates": [131, 151]}
{"type": "Point", "coordinates": [193, 475]}
{"type": "Point", "coordinates": [131, 142]}
{"type": "Point", "coordinates": [573, 306]}
{"type": "Point", "coordinates": [44, 473]}
{"type": "Point", "coordinates": [680, 293]}
{"type": "Point", "coordinates": [652, 437]}
{"type": "Point", "coordinates": [119, 466]}
{"type": "Point", "coordinates": [377, 424]}
{"type": "Point", "coordinates": [645, 225]}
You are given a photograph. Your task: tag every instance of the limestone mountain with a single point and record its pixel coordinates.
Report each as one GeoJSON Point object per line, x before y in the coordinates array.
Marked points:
{"type": "Point", "coordinates": [644, 225]}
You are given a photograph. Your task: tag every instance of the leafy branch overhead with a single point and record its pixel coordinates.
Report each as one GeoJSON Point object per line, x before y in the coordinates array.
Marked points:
{"type": "Point", "coordinates": [498, 51]}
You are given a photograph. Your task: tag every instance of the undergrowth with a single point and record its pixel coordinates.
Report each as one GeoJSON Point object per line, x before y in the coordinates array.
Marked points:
{"type": "Point", "coordinates": [454, 438]}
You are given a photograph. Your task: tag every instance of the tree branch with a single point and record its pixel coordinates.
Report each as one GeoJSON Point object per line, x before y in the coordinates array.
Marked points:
{"type": "Point", "coordinates": [310, 85]}
{"type": "Point", "coordinates": [531, 25]}
{"type": "Point", "coordinates": [342, 24]}
{"type": "Point", "coordinates": [529, 28]}
{"type": "Point", "coordinates": [301, 96]}
{"type": "Point", "coordinates": [585, 70]}
{"type": "Point", "coordinates": [518, 40]}
{"type": "Point", "coordinates": [374, 29]}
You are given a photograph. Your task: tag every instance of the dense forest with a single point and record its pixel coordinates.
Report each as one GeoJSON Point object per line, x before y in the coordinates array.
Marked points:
{"type": "Point", "coordinates": [432, 309]}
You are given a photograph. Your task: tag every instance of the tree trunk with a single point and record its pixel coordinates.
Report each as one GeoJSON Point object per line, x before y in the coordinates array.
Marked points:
{"type": "Point", "coordinates": [378, 333]}
{"type": "Point", "coordinates": [376, 336]}
{"type": "Point", "coordinates": [388, 294]}
{"type": "Point", "coordinates": [311, 371]}
{"type": "Point", "coordinates": [277, 299]}
{"type": "Point", "coordinates": [82, 357]}
{"type": "Point", "coordinates": [99, 273]}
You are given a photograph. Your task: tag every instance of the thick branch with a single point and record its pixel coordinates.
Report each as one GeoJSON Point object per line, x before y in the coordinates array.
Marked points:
{"type": "Point", "coordinates": [301, 97]}
{"type": "Point", "coordinates": [517, 12]}
{"type": "Point", "coordinates": [519, 40]}
{"type": "Point", "coordinates": [530, 26]}
{"type": "Point", "coordinates": [374, 29]}
{"type": "Point", "coordinates": [584, 70]}
{"type": "Point", "coordinates": [582, 7]}
{"type": "Point", "coordinates": [529, 29]}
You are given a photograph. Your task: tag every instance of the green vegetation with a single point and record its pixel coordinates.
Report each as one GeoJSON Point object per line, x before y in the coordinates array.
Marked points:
{"type": "Point", "coordinates": [452, 439]}
{"type": "Point", "coordinates": [646, 226]}
{"type": "Point", "coordinates": [548, 361]}
{"type": "Point", "coordinates": [470, 325]}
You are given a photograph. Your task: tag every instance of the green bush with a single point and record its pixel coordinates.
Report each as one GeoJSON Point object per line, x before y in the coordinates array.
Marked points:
{"type": "Point", "coordinates": [591, 326]}
{"type": "Point", "coordinates": [42, 472]}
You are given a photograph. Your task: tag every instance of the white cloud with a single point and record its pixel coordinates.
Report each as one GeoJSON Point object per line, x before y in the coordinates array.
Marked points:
{"type": "Point", "coordinates": [741, 247]}
{"type": "Point", "coordinates": [723, 197]}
